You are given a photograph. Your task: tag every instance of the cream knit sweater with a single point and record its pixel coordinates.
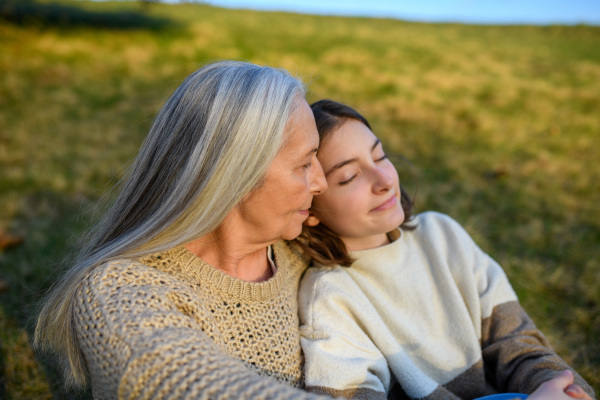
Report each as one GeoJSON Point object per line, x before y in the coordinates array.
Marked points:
{"type": "Point", "coordinates": [171, 326]}
{"type": "Point", "coordinates": [429, 316]}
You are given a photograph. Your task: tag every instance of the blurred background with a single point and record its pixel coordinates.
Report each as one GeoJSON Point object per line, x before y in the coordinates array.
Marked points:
{"type": "Point", "coordinates": [508, 12]}
{"type": "Point", "coordinates": [496, 106]}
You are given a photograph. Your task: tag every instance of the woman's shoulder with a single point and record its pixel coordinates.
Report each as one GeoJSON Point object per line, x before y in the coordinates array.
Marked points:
{"type": "Point", "coordinates": [117, 274]}
{"type": "Point", "coordinates": [286, 253]}
{"type": "Point", "coordinates": [129, 267]}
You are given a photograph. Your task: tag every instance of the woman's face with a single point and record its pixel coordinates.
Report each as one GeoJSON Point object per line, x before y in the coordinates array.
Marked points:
{"type": "Point", "coordinates": [362, 202]}
{"type": "Point", "coordinates": [277, 209]}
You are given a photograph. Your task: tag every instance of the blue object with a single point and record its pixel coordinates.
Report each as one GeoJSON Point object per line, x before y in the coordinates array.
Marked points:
{"type": "Point", "coordinates": [504, 396]}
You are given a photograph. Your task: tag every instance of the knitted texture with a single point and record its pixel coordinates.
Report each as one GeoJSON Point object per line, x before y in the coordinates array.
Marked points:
{"type": "Point", "coordinates": [171, 326]}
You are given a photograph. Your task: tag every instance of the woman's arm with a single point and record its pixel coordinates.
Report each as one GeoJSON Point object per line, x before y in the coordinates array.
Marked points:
{"type": "Point", "coordinates": [140, 344]}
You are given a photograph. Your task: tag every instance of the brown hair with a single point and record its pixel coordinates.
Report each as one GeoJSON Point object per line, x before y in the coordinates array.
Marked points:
{"type": "Point", "coordinates": [319, 242]}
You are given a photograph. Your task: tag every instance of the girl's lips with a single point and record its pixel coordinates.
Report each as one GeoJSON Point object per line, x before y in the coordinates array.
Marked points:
{"type": "Point", "coordinates": [386, 204]}
{"type": "Point", "coordinates": [304, 212]}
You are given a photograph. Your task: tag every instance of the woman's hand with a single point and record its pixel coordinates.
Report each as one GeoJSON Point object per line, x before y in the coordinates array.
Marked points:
{"type": "Point", "coordinates": [560, 388]}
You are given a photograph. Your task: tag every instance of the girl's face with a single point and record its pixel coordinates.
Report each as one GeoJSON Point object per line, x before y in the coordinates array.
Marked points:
{"type": "Point", "coordinates": [362, 202]}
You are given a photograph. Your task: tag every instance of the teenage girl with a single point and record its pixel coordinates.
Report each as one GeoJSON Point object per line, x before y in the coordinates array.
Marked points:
{"type": "Point", "coordinates": [402, 306]}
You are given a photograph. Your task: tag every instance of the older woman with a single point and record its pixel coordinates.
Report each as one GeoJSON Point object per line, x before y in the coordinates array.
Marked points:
{"type": "Point", "coordinates": [187, 271]}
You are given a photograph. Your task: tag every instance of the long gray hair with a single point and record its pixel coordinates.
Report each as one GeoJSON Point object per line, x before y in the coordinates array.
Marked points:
{"type": "Point", "coordinates": [210, 145]}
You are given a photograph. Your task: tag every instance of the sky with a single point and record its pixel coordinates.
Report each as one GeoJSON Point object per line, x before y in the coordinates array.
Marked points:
{"type": "Point", "coordinates": [530, 12]}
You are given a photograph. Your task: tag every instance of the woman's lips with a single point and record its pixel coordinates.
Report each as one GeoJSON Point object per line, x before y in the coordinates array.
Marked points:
{"type": "Point", "coordinates": [386, 204]}
{"type": "Point", "coordinates": [304, 212]}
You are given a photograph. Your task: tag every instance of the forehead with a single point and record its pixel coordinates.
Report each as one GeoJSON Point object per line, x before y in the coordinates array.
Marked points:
{"type": "Point", "coordinates": [349, 140]}
{"type": "Point", "coordinates": [301, 134]}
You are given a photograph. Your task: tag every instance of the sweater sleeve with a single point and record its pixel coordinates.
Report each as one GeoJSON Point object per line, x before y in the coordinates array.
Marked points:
{"type": "Point", "coordinates": [517, 356]}
{"type": "Point", "coordinates": [139, 344]}
{"type": "Point", "coordinates": [340, 358]}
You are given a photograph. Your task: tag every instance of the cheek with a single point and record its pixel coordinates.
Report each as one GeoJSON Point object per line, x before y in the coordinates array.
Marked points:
{"type": "Point", "coordinates": [391, 171]}
{"type": "Point", "coordinates": [291, 193]}
{"type": "Point", "coordinates": [301, 186]}
{"type": "Point", "coordinates": [323, 207]}
{"type": "Point", "coordinates": [318, 205]}
{"type": "Point", "coordinates": [336, 206]}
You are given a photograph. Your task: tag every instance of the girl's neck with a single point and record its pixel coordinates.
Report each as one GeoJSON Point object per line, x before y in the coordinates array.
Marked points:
{"type": "Point", "coordinates": [366, 242]}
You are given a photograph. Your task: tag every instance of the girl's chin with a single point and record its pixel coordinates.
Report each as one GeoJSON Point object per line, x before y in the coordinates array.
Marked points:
{"type": "Point", "coordinates": [393, 222]}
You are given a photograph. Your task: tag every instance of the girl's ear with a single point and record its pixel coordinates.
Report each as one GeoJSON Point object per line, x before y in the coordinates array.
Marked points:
{"type": "Point", "coordinates": [312, 220]}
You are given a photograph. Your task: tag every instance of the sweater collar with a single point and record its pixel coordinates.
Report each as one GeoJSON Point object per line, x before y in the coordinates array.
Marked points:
{"type": "Point", "coordinates": [179, 261]}
{"type": "Point", "coordinates": [393, 236]}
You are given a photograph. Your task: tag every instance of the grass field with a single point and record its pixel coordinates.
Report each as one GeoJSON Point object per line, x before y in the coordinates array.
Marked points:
{"type": "Point", "coordinates": [501, 124]}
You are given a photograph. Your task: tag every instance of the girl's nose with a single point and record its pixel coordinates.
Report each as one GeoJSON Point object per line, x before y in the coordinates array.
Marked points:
{"type": "Point", "coordinates": [383, 181]}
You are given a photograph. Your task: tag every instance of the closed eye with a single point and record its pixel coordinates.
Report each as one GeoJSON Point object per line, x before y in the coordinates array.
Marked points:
{"type": "Point", "coordinates": [347, 181]}
{"type": "Point", "coordinates": [310, 155]}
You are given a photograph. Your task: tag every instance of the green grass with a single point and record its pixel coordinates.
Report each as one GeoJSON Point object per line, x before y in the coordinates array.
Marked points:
{"type": "Point", "coordinates": [500, 122]}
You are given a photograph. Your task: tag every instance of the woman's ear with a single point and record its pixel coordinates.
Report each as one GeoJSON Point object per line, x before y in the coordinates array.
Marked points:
{"type": "Point", "coordinates": [312, 220]}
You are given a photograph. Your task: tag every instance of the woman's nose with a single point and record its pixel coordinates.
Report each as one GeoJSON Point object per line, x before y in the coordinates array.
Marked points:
{"type": "Point", "coordinates": [318, 181]}
{"type": "Point", "coordinates": [383, 181]}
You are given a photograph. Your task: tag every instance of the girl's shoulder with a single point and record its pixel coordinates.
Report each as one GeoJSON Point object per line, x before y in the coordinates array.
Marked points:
{"type": "Point", "coordinates": [439, 230]}
{"type": "Point", "coordinates": [436, 222]}
{"type": "Point", "coordinates": [317, 274]}
{"type": "Point", "coordinates": [431, 218]}
{"type": "Point", "coordinates": [325, 285]}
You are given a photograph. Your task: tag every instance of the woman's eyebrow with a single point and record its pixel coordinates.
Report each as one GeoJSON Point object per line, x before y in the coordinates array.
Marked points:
{"type": "Point", "coordinates": [312, 151]}
{"type": "Point", "coordinates": [307, 154]}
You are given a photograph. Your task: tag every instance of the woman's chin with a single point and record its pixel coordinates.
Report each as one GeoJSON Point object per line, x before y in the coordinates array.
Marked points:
{"type": "Point", "coordinates": [291, 233]}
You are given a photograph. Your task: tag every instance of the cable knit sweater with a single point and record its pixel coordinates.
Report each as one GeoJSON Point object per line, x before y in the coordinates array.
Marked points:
{"type": "Point", "coordinates": [429, 316]}
{"type": "Point", "coordinates": [171, 326]}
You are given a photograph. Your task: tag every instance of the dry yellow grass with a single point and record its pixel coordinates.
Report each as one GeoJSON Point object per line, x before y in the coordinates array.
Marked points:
{"type": "Point", "coordinates": [500, 123]}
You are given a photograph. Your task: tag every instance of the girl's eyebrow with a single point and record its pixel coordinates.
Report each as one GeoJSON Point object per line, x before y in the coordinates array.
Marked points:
{"type": "Point", "coordinates": [351, 160]}
{"type": "Point", "coordinates": [377, 141]}
{"type": "Point", "coordinates": [340, 165]}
